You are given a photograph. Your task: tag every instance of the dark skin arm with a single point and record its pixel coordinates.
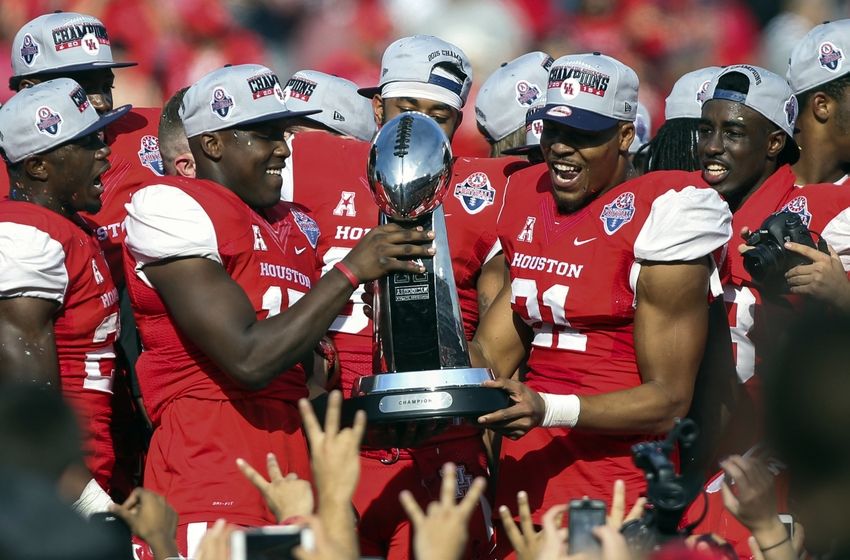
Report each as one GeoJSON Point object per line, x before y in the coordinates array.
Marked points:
{"type": "Point", "coordinates": [490, 282]}
{"type": "Point", "coordinates": [217, 316]}
{"type": "Point", "coordinates": [27, 346]}
{"type": "Point", "coordinates": [670, 328]}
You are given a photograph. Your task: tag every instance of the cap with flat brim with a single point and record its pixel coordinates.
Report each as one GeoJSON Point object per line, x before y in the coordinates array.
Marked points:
{"type": "Point", "coordinates": [577, 118]}
{"type": "Point", "coordinates": [369, 92]}
{"type": "Point", "coordinates": [522, 150]}
{"type": "Point", "coordinates": [105, 120]}
{"type": "Point", "coordinates": [274, 117]}
{"type": "Point", "coordinates": [80, 68]}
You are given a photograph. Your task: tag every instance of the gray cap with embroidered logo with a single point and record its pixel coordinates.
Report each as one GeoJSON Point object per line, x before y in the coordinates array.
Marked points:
{"type": "Point", "coordinates": [62, 42]}
{"type": "Point", "coordinates": [688, 94]}
{"type": "Point", "coordinates": [502, 102]}
{"type": "Point", "coordinates": [820, 56]}
{"type": "Point", "coordinates": [343, 110]}
{"type": "Point", "coordinates": [234, 96]}
{"type": "Point", "coordinates": [591, 92]}
{"type": "Point", "coordinates": [42, 117]}
{"type": "Point", "coordinates": [425, 59]}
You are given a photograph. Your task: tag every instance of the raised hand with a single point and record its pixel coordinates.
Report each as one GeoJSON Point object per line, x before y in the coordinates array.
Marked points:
{"type": "Point", "coordinates": [380, 251]}
{"type": "Point", "coordinates": [287, 496]}
{"type": "Point", "coordinates": [150, 518]}
{"type": "Point", "coordinates": [442, 532]}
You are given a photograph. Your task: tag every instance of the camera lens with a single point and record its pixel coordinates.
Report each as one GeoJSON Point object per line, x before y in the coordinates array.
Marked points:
{"type": "Point", "coordinates": [764, 261]}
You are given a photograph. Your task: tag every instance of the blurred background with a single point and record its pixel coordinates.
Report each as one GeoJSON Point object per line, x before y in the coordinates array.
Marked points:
{"type": "Point", "coordinates": [177, 41]}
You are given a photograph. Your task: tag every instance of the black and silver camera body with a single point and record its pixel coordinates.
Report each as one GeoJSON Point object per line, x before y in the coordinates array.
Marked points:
{"type": "Point", "coordinates": [768, 260]}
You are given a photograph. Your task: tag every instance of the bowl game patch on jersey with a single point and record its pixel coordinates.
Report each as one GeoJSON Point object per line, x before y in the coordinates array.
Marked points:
{"type": "Point", "coordinates": [475, 193]}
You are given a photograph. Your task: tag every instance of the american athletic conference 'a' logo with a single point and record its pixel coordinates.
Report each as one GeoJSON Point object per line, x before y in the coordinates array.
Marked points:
{"type": "Point", "coordinates": [29, 50]}
{"type": "Point", "coordinates": [47, 121]}
{"type": "Point", "coordinates": [221, 103]}
{"type": "Point", "coordinates": [830, 56]}
{"type": "Point", "coordinates": [475, 193]}
{"type": "Point", "coordinates": [800, 206]}
{"type": "Point", "coordinates": [526, 93]}
{"type": "Point", "coordinates": [149, 155]}
{"type": "Point", "coordinates": [618, 213]}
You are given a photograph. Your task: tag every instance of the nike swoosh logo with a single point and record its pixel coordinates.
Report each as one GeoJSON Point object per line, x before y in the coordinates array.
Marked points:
{"type": "Point", "coordinates": [578, 243]}
{"type": "Point", "coordinates": [299, 251]}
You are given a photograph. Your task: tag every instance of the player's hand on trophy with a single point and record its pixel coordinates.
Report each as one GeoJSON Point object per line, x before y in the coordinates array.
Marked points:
{"type": "Point", "coordinates": [515, 421]}
{"type": "Point", "coordinates": [389, 248]}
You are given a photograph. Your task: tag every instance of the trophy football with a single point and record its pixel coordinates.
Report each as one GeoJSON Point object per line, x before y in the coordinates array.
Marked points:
{"type": "Point", "coordinates": [421, 363]}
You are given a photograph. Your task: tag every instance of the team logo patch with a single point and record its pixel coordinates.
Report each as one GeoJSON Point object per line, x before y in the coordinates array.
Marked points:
{"type": "Point", "coordinates": [307, 225]}
{"type": "Point", "coordinates": [535, 128]}
{"type": "Point", "coordinates": [300, 88]}
{"type": "Point", "coordinates": [29, 50]}
{"type": "Point", "coordinates": [702, 92]}
{"type": "Point", "coordinates": [47, 121]}
{"type": "Point", "coordinates": [475, 193]}
{"type": "Point", "coordinates": [791, 110]}
{"type": "Point", "coordinates": [221, 103]}
{"type": "Point", "coordinates": [78, 96]}
{"type": "Point", "coordinates": [830, 56]}
{"type": "Point", "coordinates": [89, 36]}
{"type": "Point", "coordinates": [618, 213]}
{"type": "Point", "coordinates": [572, 80]}
{"type": "Point", "coordinates": [800, 206]}
{"type": "Point", "coordinates": [560, 111]}
{"type": "Point", "coordinates": [526, 93]}
{"type": "Point", "coordinates": [149, 155]}
{"type": "Point", "coordinates": [527, 232]}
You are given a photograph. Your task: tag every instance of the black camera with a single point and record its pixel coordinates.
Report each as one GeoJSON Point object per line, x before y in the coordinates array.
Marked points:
{"type": "Point", "coordinates": [668, 493]}
{"type": "Point", "coordinates": [768, 261]}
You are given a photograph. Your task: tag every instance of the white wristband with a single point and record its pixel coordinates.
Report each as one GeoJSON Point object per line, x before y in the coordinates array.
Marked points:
{"type": "Point", "coordinates": [561, 410]}
{"type": "Point", "coordinates": [92, 500]}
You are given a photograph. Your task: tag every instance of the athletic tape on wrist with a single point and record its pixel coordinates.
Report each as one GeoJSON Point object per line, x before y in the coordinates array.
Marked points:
{"type": "Point", "coordinates": [92, 500]}
{"type": "Point", "coordinates": [561, 410]}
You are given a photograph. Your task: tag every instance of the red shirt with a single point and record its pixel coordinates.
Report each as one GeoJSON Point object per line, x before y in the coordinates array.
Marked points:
{"type": "Point", "coordinates": [47, 256]}
{"type": "Point", "coordinates": [273, 261]}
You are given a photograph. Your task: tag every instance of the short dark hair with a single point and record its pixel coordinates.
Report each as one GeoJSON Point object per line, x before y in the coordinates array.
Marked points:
{"type": "Point", "coordinates": [170, 133]}
{"type": "Point", "coordinates": [833, 88]}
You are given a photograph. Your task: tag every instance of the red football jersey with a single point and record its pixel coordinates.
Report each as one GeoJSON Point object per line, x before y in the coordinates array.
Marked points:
{"type": "Point", "coordinates": [135, 160]}
{"type": "Point", "coordinates": [274, 263]}
{"type": "Point", "coordinates": [573, 281]}
{"type": "Point", "coordinates": [823, 209]}
{"type": "Point", "coordinates": [340, 200]}
{"type": "Point", "coordinates": [50, 257]}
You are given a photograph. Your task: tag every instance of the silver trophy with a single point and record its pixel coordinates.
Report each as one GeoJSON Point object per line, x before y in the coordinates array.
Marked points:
{"type": "Point", "coordinates": [421, 362]}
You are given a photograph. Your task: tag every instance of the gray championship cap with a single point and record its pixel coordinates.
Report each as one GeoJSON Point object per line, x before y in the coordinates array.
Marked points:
{"type": "Point", "coordinates": [643, 128]}
{"type": "Point", "coordinates": [688, 94]}
{"type": "Point", "coordinates": [820, 57]}
{"type": "Point", "coordinates": [533, 130]}
{"type": "Point", "coordinates": [42, 117]}
{"type": "Point", "coordinates": [425, 59]}
{"type": "Point", "coordinates": [62, 42]}
{"type": "Point", "coordinates": [768, 94]}
{"type": "Point", "coordinates": [591, 92]}
{"type": "Point", "coordinates": [342, 109]}
{"type": "Point", "coordinates": [502, 102]}
{"type": "Point", "coordinates": [234, 96]}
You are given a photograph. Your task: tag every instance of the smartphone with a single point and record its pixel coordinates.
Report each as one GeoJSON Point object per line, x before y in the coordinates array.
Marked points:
{"type": "Point", "coordinates": [269, 543]}
{"type": "Point", "coordinates": [585, 514]}
{"type": "Point", "coordinates": [788, 520]}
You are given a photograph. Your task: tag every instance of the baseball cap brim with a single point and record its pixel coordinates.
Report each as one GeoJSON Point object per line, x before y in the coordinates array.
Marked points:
{"type": "Point", "coordinates": [577, 118]}
{"type": "Point", "coordinates": [369, 92]}
{"type": "Point", "coordinates": [105, 120]}
{"type": "Point", "coordinates": [522, 150]}
{"type": "Point", "coordinates": [275, 116]}
{"type": "Point", "coordinates": [81, 68]}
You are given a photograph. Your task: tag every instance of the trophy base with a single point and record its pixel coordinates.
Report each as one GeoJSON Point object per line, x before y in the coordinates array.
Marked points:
{"type": "Point", "coordinates": [406, 408]}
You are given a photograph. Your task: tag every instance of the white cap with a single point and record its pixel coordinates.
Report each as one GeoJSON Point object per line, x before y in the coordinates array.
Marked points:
{"type": "Point", "coordinates": [643, 128]}
{"type": "Point", "coordinates": [233, 96]}
{"type": "Point", "coordinates": [591, 92]}
{"type": "Point", "coordinates": [533, 130]}
{"type": "Point", "coordinates": [425, 59]}
{"type": "Point", "coordinates": [40, 118]}
{"type": "Point", "coordinates": [342, 109]}
{"type": "Point", "coordinates": [768, 94]}
{"type": "Point", "coordinates": [820, 56]}
{"type": "Point", "coordinates": [62, 42]}
{"type": "Point", "coordinates": [502, 102]}
{"type": "Point", "coordinates": [688, 94]}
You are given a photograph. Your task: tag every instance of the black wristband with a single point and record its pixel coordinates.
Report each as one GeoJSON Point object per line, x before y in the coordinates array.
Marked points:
{"type": "Point", "coordinates": [771, 547]}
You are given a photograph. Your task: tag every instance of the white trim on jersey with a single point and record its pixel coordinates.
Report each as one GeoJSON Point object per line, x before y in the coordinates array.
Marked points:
{"type": "Point", "coordinates": [163, 222]}
{"type": "Point", "coordinates": [287, 190]}
{"type": "Point", "coordinates": [32, 264]}
{"type": "Point", "coordinates": [684, 225]}
{"type": "Point", "coordinates": [494, 250]}
{"type": "Point", "coordinates": [837, 234]}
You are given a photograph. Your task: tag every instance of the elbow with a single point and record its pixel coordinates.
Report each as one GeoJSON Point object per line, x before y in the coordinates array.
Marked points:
{"type": "Point", "coordinates": [668, 414]}
{"type": "Point", "coordinates": [247, 377]}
